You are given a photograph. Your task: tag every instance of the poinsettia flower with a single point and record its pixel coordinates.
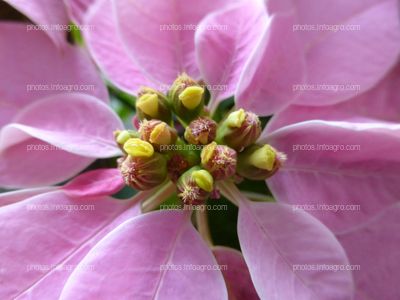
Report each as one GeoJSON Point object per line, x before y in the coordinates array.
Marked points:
{"type": "Point", "coordinates": [343, 179]}
{"type": "Point", "coordinates": [117, 251]}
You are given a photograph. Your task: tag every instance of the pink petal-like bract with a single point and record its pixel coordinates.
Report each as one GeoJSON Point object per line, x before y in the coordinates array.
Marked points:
{"type": "Point", "coordinates": [96, 183]}
{"type": "Point", "coordinates": [381, 102]}
{"type": "Point", "coordinates": [48, 235]}
{"type": "Point", "coordinates": [153, 256]}
{"type": "Point", "coordinates": [78, 9]}
{"type": "Point", "coordinates": [340, 172]}
{"type": "Point", "coordinates": [19, 195]}
{"type": "Point", "coordinates": [349, 45]}
{"type": "Point", "coordinates": [374, 248]}
{"type": "Point", "coordinates": [108, 50]}
{"type": "Point", "coordinates": [236, 273]}
{"type": "Point", "coordinates": [54, 138]}
{"type": "Point", "coordinates": [159, 35]}
{"type": "Point", "coordinates": [285, 251]}
{"type": "Point", "coordinates": [49, 15]}
{"type": "Point", "coordinates": [33, 68]}
{"type": "Point", "coordinates": [277, 64]}
{"type": "Point", "coordinates": [223, 52]}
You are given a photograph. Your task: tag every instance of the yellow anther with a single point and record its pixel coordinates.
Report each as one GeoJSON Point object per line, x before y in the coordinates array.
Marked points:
{"type": "Point", "coordinates": [161, 135]}
{"type": "Point", "coordinates": [138, 148]}
{"type": "Point", "coordinates": [148, 104]}
{"type": "Point", "coordinates": [204, 180]}
{"type": "Point", "coordinates": [207, 152]}
{"type": "Point", "coordinates": [263, 158]}
{"type": "Point", "coordinates": [236, 118]}
{"type": "Point", "coordinates": [191, 96]}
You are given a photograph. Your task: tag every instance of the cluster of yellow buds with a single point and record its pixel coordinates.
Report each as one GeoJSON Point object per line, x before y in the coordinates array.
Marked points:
{"type": "Point", "coordinates": [179, 141]}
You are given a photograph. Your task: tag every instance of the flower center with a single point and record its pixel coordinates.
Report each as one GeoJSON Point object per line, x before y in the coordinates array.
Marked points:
{"type": "Point", "coordinates": [197, 158]}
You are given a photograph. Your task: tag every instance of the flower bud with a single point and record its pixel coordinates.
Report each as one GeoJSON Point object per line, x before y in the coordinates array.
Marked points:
{"type": "Point", "coordinates": [152, 104]}
{"type": "Point", "coordinates": [144, 173]}
{"type": "Point", "coordinates": [138, 148]}
{"type": "Point", "coordinates": [204, 180]}
{"type": "Point", "coordinates": [186, 97]}
{"type": "Point", "coordinates": [121, 136]}
{"type": "Point", "coordinates": [158, 133]}
{"type": "Point", "coordinates": [201, 131]}
{"type": "Point", "coordinates": [259, 162]}
{"type": "Point", "coordinates": [176, 166]}
{"type": "Point", "coordinates": [239, 130]}
{"type": "Point", "coordinates": [219, 160]}
{"type": "Point", "coordinates": [195, 186]}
